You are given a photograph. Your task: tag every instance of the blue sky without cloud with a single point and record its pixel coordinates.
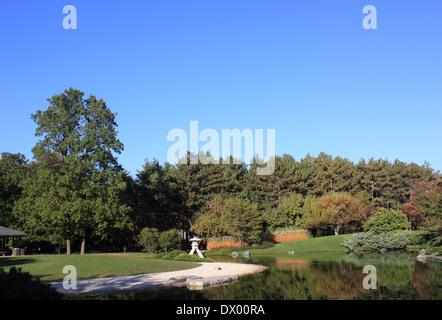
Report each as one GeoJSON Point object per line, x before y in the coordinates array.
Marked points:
{"type": "Point", "coordinates": [307, 69]}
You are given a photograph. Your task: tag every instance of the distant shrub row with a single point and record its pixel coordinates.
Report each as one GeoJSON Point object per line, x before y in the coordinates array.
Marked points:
{"type": "Point", "coordinates": [177, 255]}
{"type": "Point", "coordinates": [228, 251]}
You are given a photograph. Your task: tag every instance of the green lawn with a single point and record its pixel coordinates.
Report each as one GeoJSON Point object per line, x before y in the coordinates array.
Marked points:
{"type": "Point", "coordinates": [325, 244]}
{"type": "Point", "coordinates": [50, 267]}
{"type": "Point", "coordinates": [328, 243]}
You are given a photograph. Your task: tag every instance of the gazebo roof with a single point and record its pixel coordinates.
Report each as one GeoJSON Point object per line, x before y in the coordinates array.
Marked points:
{"type": "Point", "coordinates": [6, 232]}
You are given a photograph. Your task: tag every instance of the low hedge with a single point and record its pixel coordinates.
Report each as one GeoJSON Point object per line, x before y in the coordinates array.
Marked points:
{"type": "Point", "coordinates": [178, 255]}
{"type": "Point", "coordinates": [228, 251]}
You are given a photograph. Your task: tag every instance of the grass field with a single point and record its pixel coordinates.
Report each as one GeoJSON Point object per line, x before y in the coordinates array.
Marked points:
{"type": "Point", "coordinates": [325, 244]}
{"type": "Point", "coordinates": [320, 244]}
{"type": "Point", "coordinates": [313, 245]}
{"type": "Point", "coordinates": [49, 268]}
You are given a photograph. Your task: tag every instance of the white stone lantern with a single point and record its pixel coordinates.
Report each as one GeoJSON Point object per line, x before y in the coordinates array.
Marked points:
{"type": "Point", "coordinates": [195, 241]}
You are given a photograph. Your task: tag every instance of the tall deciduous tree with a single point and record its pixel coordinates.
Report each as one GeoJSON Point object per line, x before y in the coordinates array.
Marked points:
{"type": "Point", "coordinates": [425, 206]}
{"type": "Point", "coordinates": [233, 216]}
{"type": "Point", "coordinates": [75, 191]}
{"type": "Point", "coordinates": [209, 221]}
{"type": "Point", "coordinates": [336, 210]}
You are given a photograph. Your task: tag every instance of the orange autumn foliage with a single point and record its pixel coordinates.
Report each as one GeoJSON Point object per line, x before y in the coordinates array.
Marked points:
{"type": "Point", "coordinates": [275, 237]}
{"type": "Point", "coordinates": [224, 242]}
{"type": "Point", "coordinates": [286, 236]}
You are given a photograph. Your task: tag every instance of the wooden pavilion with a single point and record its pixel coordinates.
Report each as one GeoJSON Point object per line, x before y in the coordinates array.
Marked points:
{"type": "Point", "coordinates": [5, 234]}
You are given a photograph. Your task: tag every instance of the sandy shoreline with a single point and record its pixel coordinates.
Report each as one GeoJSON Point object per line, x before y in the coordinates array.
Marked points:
{"type": "Point", "coordinates": [207, 270]}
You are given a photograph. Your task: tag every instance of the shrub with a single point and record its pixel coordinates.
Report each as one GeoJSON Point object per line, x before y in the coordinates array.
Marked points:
{"type": "Point", "coordinates": [169, 239]}
{"type": "Point", "coordinates": [148, 238]}
{"type": "Point", "coordinates": [193, 258]}
{"type": "Point", "coordinates": [18, 285]}
{"type": "Point", "coordinates": [173, 254]}
{"type": "Point", "coordinates": [374, 241]}
{"type": "Point", "coordinates": [178, 255]}
{"type": "Point", "coordinates": [264, 245]}
{"type": "Point", "coordinates": [387, 220]}
{"type": "Point", "coordinates": [152, 240]}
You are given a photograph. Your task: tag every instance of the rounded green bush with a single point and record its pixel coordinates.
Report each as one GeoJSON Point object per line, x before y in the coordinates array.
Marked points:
{"type": "Point", "coordinates": [387, 221]}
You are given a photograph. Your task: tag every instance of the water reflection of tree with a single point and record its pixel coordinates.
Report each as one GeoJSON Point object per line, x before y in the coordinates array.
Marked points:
{"type": "Point", "coordinates": [427, 280]}
{"type": "Point", "coordinates": [399, 277]}
{"type": "Point", "coordinates": [322, 281]}
{"type": "Point", "coordinates": [393, 269]}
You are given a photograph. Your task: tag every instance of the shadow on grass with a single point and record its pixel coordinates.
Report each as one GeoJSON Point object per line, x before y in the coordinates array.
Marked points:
{"type": "Point", "coordinates": [14, 261]}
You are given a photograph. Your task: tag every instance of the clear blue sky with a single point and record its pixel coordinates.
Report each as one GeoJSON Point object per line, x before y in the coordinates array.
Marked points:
{"type": "Point", "coordinates": [305, 68]}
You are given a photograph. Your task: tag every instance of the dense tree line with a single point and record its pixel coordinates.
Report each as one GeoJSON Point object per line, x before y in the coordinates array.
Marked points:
{"type": "Point", "coordinates": [75, 189]}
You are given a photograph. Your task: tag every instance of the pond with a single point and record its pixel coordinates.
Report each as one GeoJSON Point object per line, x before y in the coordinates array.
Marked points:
{"type": "Point", "coordinates": [319, 276]}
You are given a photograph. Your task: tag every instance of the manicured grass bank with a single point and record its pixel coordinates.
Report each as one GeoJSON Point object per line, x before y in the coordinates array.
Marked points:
{"type": "Point", "coordinates": [332, 244]}
{"type": "Point", "coordinates": [320, 244]}
{"type": "Point", "coordinates": [49, 268]}
{"type": "Point", "coordinates": [325, 244]}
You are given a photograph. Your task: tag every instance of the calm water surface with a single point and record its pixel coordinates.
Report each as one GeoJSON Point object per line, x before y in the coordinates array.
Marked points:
{"type": "Point", "coordinates": [320, 276]}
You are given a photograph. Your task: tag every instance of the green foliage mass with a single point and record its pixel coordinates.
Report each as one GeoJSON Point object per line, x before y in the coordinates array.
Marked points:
{"type": "Point", "coordinates": [18, 285]}
{"type": "Point", "coordinates": [387, 220]}
{"type": "Point", "coordinates": [169, 239]}
{"type": "Point", "coordinates": [148, 238]}
{"type": "Point", "coordinates": [152, 240]}
{"type": "Point", "coordinates": [176, 255]}
{"type": "Point", "coordinates": [372, 240]}
{"type": "Point", "coordinates": [75, 189]}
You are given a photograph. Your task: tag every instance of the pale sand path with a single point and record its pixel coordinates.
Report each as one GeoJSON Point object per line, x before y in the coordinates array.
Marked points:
{"type": "Point", "coordinates": [158, 280]}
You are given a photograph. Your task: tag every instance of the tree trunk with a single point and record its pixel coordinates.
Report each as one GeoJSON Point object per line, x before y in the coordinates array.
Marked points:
{"type": "Point", "coordinates": [83, 245]}
{"type": "Point", "coordinates": [68, 246]}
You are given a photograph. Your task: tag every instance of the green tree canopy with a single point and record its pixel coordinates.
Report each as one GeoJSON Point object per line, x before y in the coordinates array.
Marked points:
{"type": "Point", "coordinates": [148, 238]}
{"type": "Point", "coordinates": [336, 210]}
{"type": "Point", "coordinates": [289, 212]}
{"type": "Point", "coordinates": [13, 169]}
{"type": "Point", "coordinates": [75, 188]}
{"type": "Point", "coordinates": [242, 219]}
{"type": "Point", "coordinates": [387, 220]}
{"type": "Point", "coordinates": [169, 239]}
